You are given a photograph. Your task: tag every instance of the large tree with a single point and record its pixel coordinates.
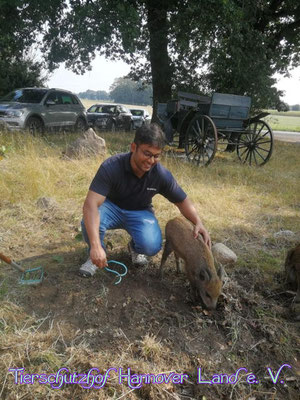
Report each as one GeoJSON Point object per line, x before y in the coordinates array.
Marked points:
{"type": "Point", "coordinates": [20, 22]}
{"type": "Point", "coordinates": [228, 45]}
{"type": "Point", "coordinates": [233, 46]}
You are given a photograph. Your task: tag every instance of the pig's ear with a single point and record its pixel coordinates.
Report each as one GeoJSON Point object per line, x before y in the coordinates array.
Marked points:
{"type": "Point", "coordinates": [205, 275]}
{"type": "Point", "coordinates": [221, 272]}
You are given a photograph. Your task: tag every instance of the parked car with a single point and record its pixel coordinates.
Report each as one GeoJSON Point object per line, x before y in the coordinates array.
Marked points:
{"type": "Point", "coordinates": [140, 117]}
{"type": "Point", "coordinates": [110, 117]}
{"type": "Point", "coordinates": [37, 109]}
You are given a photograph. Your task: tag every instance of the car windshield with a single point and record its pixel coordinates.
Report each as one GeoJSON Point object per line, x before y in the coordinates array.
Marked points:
{"type": "Point", "coordinates": [98, 108]}
{"type": "Point", "coordinates": [25, 95]}
{"type": "Point", "coordinates": [137, 113]}
{"type": "Point", "coordinates": [108, 109]}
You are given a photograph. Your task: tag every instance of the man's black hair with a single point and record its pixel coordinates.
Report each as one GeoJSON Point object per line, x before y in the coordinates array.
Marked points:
{"type": "Point", "coordinates": [150, 134]}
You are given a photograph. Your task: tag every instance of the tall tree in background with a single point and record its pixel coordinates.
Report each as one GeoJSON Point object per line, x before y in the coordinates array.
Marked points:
{"type": "Point", "coordinates": [261, 39]}
{"type": "Point", "coordinates": [132, 30]}
{"type": "Point", "coordinates": [20, 22]}
{"type": "Point", "coordinates": [130, 92]}
{"type": "Point", "coordinates": [233, 46]}
{"type": "Point", "coordinates": [227, 45]}
{"type": "Point", "coordinates": [20, 72]}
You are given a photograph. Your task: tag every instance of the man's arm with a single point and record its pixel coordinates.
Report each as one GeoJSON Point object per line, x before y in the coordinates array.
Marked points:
{"type": "Point", "coordinates": [189, 211]}
{"type": "Point", "coordinates": [91, 219]}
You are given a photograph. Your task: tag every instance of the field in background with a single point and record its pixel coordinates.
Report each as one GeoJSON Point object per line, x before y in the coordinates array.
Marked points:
{"type": "Point", "coordinates": [281, 121]}
{"type": "Point", "coordinates": [146, 324]}
{"type": "Point", "coordinates": [284, 121]}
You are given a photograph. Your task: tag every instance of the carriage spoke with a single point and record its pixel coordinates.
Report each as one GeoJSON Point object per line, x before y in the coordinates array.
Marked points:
{"type": "Point", "coordinates": [242, 146]}
{"type": "Point", "coordinates": [261, 148]}
{"type": "Point", "coordinates": [246, 149]}
{"type": "Point", "coordinates": [260, 155]}
{"type": "Point", "coordinates": [250, 161]}
{"type": "Point", "coordinates": [192, 150]}
{"type": "Point", "coordinates": [201, 140]}
{"type": "Point", "coordinates": [258, 133]}
{"type": "Point", "coordinates": [248, 152]}
{"type": "Point", "coordinates": [254, 156]}
{"type": "Point", "coordinates": [259, 142]}
{"type": "Point", "coordinates": [195, 131]}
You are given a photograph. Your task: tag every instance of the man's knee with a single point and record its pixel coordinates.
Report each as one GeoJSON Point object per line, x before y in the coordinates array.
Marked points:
{"type": "Point", "coordinates": [149, 244]}
{"type": "Point", "coordinates": [152, 250]}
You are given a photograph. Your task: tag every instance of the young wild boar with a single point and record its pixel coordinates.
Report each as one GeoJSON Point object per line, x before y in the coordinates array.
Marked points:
{"type": "Point", "coordinates": [199, 263]}
{"type": "Point", "coordinates": [292, 270]}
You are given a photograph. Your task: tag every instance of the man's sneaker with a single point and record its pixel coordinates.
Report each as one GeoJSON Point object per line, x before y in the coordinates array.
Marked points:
{"type": "Point", "coordinates": [88, 269]}
{"type": "Point", "coordinates": [137, 259]}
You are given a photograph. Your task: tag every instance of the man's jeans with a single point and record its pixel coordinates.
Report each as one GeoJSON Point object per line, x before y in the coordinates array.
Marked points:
{"type": "Point", "coordinates": [141, 225]}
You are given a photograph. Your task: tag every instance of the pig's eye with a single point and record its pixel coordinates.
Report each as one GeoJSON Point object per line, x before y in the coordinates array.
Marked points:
{"type": "Point", "coordinates": [207, 295]}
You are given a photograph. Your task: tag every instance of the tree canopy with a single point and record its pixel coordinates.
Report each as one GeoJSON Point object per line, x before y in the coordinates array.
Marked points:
{"type": "Point", "coordinates": [232, 46]}
{"type": "Point", "coordinates": [123, 90]}
{"type": "Point", "coordinates": [20, 21]}
{"type": "Point", "coordinates": [94, 95]}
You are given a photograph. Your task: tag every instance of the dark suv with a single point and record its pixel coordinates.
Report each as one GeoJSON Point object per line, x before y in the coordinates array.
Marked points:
{"type": "Point", "coordinates": [37, 109]}
{"type": "Point", "coordinates": [110, 117]}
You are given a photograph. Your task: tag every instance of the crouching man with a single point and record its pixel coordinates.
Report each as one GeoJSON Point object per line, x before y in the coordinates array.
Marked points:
{"type": "Point", "coordinates": [120, 197]}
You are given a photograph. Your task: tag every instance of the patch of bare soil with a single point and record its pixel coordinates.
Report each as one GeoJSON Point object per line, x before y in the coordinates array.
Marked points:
{"type": "Point", "coordinates": [251, 328]}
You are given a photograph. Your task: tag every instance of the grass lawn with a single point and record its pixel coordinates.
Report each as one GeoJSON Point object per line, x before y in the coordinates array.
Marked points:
{"type": "Point", "coordinates": [146, 324]}
{"type": "Point", "coordinates": [284, 121]}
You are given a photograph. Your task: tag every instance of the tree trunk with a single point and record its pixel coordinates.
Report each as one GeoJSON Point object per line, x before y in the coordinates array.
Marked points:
{"type": "Point", "coordinates": [159, 58]}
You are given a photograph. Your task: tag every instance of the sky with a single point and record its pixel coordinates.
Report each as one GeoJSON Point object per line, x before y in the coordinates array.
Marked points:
{"type": "Point", "coordinates": [104, 72]}
{"type": "Point", "coordinates": [101, 76]}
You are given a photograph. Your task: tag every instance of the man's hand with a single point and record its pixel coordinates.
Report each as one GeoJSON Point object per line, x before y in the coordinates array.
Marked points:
{"type": "Point", "coordinates": [98, 257]}
{"type": "Point", "coordinates": [199, 229]}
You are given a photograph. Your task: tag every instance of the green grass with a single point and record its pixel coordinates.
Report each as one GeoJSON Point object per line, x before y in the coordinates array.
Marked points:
{"type": "Point", "coordinates": [280, 121]}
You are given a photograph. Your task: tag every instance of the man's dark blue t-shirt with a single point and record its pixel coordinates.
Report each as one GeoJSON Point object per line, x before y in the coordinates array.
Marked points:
{"type": "Point", "coordinates": [116, 181]}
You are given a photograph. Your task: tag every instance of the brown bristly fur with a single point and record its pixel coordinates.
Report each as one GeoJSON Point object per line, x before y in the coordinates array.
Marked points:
{"type": "Point", "coordinates": [199, 262]}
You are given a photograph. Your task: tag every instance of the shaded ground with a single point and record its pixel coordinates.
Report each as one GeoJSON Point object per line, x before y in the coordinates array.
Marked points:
{"type": "Point", "coordinates": [251, 327]}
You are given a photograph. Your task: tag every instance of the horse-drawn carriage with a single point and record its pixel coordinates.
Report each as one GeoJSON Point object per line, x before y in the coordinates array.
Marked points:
{"type": "Point", "coordinates": [202, 125]}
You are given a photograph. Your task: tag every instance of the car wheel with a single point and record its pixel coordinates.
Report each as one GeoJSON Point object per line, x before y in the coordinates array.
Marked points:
{"type": "Point", "coordinates": [80, 125]}
{"type": "Point", "coordinates": [34, 126]}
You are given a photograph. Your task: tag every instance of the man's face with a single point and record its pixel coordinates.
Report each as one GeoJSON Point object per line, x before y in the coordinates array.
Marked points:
{"type": "Point", "coordinates": [144, 156]}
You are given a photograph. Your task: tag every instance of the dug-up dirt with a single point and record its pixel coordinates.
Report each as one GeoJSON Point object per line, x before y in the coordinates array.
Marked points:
{"type": "Point", "coordinates": [251, 328]}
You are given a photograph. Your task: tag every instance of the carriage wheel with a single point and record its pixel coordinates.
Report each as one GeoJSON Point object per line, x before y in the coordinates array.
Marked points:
{"type": "Point", "coordinates": [255, 145]}
{"type": "Point", "coordinates": [201, 140]}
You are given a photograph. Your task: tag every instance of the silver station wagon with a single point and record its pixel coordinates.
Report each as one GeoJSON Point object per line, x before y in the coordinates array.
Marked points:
{"type": "Point", "coordinates": [40, 109]}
